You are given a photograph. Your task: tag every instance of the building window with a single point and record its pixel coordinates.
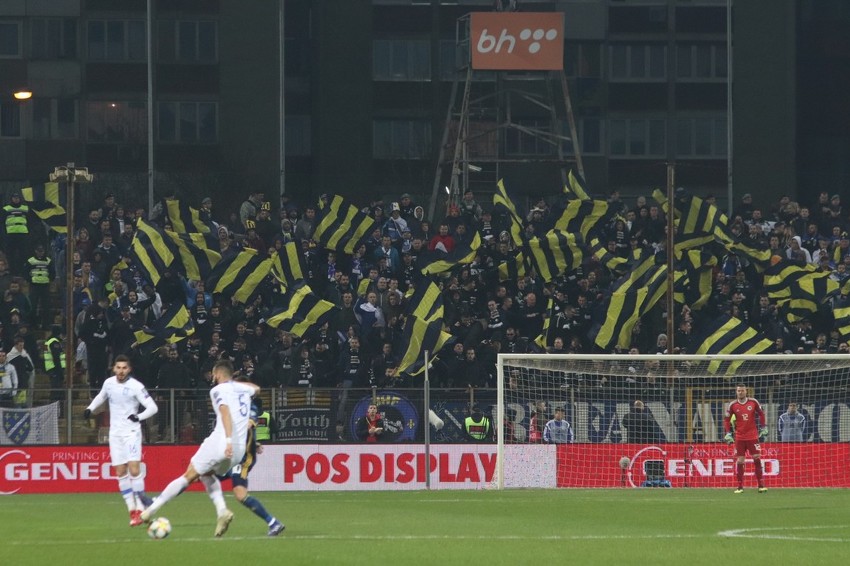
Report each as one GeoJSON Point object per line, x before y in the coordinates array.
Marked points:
{"type": "Point", "coordinates": [636, 137]}
{"type": "Point", "coordinates": [451, 61]}
{"type": "Point", "coordinates": [188, 41]}
{"type": "Point", "coordinates": [701, 61]}
{"type": "Point", "coordinates": [116, 40]}
{"type": "Point", "coordinates": [10, 120]}
{"type": "Point", "coordinates": [701, 137]}
{"type": "Point", "coordinates": [54, 118]}
{"type": "Point", "coordinates": [401, 60]}
{"type": "Point", "coordinates": [53, 38]}
{"type": "Point", "coordinates": [590, 135]}
{"type": "Point", "coordinates": [401, 139]}
{"type": "Point", "coordinates": [637, 62]}
{"type": "Point", "coordinates": [298, 136]}
{"type": "Point", "coordinates": [117, 121]}
{"type": "Point", "coordinates": [10, 39]}
{"type": "Point", "coordinates": [583, 60]}
{"type": "Point", "coordinates": [188, 122]}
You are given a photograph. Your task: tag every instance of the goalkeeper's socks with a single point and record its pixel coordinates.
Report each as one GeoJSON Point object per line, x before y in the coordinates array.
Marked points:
{"type": "Point", "coordinates": [739, 472]}
{"type": "Point", "coordinates": [258, 509]}
{"type": "Point", "coordinates": [759, 471]}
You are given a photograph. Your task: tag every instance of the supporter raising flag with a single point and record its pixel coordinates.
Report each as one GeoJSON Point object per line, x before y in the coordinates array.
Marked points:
{"type": "Point", "coordinates": [341, 226]}
{"type": "Point", "coordinates": [302, 311]}
{"type": "Point", "coordinates": [47, 201]}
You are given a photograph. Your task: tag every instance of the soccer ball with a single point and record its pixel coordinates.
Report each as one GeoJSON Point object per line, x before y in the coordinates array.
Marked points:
{"type": "Point", "coordinates": [159, 528]}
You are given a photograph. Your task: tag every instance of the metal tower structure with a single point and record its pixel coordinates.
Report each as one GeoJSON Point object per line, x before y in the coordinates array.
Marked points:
{"type": "Point", "coordinates": [485, 110]}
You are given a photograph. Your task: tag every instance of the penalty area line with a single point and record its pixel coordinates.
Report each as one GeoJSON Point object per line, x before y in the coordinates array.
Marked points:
{"type": "Point", "coordinates": [776, 533]}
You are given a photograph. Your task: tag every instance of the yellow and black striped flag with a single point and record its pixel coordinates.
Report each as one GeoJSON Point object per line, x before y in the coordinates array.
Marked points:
{"type": "Point", "coordinates": [288, 265]}
{"type": "Point", "coordinates": [842, 321]}
{"type": "Point", "coordinates": [174, 325]}
{"type": "Point", "coordinates": [419, 336]}
{"type": "Point", "coordinates": [728, 335]}
{"type": "Point", "coordinates": [426, 301]}
{"type": "Point", "coordinates": [47, 201]}
{"type": "Point", "coordinates": [196, 258]}
{"type": "Point", "coordinates": [582, 216]}
{"type": "Point", "coordinates": [435, 262]}
{"type": "Point", "coordinates": [184, 219]}
{"type": "Point", "coordinates": [239, 276]}
{"type": "Point", "coordinates": [302, 311]}
{"type": "Point", "coordinates": [630, 299]}
{"type": "Point", "coordinates": [341, 226]}
{"type": "Point", "coordinates": [151, 251]}
{"type": "Point", "coordinates": [504, 206]}
{"type": "Point", "coordinates": [555, 253]}
{"type": "Point", "coordinates": [576, 186]}
{"type": "Point", "coordinates": [600, 251]}
{"type": "Point", "coordinates": [694, 278]}
{"type": "Point", "coordinates": [798, 288]}
{"type": "Point", "coordinates": [512, 268]}
{"type": "Point", "coordinates": [544, 340]}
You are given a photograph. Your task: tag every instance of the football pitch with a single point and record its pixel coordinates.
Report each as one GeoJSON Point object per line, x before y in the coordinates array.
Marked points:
{"type": "Point", "coordinates": [538, 527]}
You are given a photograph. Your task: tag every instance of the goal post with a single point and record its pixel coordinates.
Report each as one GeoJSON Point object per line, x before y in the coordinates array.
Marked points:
{"type": "Point", "coordinates": [657, 420]}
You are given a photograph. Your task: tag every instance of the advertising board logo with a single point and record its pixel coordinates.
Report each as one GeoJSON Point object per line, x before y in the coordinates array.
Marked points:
{"type": "Point", "coordinates": [517, 41]}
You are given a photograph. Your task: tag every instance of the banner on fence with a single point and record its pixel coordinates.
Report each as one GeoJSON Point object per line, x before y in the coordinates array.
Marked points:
{"type": "Point", "coordinates": [391, 467]}
{"type": "Point", "coordinates": [39, 425]}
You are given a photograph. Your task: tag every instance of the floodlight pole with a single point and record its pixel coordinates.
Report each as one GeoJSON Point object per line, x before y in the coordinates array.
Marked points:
{"type": "Point", "coordinates": [70, 175]}
{"type": "Point", "coordinates": [69, 280]}
{"type": "Point", "coordinates": [671, 229]}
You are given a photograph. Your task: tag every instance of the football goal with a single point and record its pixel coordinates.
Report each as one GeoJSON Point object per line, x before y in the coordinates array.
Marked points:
{"type": "Point", "coordinates": [658, 420]}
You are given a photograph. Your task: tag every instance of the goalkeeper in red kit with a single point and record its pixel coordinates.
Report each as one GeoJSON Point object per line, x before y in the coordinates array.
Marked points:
{"type": "Point", "coordinates": [748, 418]}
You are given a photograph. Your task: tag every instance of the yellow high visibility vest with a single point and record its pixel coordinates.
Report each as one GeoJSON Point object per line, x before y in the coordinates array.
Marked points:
{"type": "Point", "coordinates": [16, 219]}
{"type": "Point", "coordinates": [48, 356]}
{"type": "Point", "coordinates": [39, 274]}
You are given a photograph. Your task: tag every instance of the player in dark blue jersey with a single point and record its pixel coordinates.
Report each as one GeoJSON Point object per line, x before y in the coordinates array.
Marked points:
{"type": "Point", "coordinates": [239, 474]}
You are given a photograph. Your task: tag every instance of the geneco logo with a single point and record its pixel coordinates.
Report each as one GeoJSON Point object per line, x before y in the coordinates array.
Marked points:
{"type": "Point", "coordinates": [518, 41]}
{"type": "Point", "coordinates": [10, 453]}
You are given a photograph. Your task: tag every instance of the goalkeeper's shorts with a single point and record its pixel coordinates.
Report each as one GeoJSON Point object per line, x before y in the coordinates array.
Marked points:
{"type": "Point", "coordinates": [744, 446]}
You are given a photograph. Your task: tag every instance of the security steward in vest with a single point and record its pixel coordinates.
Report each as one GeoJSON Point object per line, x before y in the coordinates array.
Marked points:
{"type": "Point", "coordinates": [41, 273]}
{"type": "Point", "coordinates": [478, 427]}
{"type": "Point", "coordinates": [54, 362]}
{"type": "Point", "coordinates": [16, 233]}
{"type": "Point", "coordinates": [265, 428]}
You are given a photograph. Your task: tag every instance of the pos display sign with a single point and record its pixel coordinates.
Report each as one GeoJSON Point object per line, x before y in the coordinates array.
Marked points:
{"type": "Point", "coordinates": [517, 41]}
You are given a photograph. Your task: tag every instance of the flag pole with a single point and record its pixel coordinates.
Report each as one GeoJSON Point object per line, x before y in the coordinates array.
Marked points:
{"type": "Point", "coordinates": [671, 207]}
{"type": "Point", "coordinates": [426, 422]}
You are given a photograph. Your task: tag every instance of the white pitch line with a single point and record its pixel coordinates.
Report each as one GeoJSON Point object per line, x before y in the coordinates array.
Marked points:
{"type": "Point", "coordinates": [764, 533]}
{"type": "Point", "coordinates": [174, 540]}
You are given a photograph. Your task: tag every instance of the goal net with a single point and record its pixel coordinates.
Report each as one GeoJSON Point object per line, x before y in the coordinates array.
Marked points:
{"type": "Point", "coordinates": [658, 420]}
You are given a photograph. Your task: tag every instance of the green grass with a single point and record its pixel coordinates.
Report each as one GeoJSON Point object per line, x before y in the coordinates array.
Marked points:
{"type": "Point", "coordinates": [540, 527]}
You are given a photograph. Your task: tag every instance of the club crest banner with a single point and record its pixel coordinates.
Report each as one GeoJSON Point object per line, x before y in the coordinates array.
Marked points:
{"type": "Point", "coordinates": [39, 425]}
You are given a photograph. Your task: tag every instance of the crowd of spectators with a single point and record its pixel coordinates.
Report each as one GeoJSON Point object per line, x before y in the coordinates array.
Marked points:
{"type": "Point", "coordinates": [484, 313]}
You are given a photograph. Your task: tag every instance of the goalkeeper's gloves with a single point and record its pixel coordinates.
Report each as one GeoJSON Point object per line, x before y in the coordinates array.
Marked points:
{"type": "Point", "coordinates": [763, 433]}
{"type": "Point", "coordinates": [134, 418]}
{"type": "Point", "coordinates": [729, 438]}
{"type": "Point", "coordinates": [87, 414]}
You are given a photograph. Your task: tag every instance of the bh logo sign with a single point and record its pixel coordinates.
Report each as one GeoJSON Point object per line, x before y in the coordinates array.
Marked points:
{"type": "Point", "coordinates": [488, 43]}
{"type": "Point", "coordinates": [517, 41]}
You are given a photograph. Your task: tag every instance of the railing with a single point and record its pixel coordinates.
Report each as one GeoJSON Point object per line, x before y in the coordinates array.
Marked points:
{"type": "Point", "coordinates": [684, 413]}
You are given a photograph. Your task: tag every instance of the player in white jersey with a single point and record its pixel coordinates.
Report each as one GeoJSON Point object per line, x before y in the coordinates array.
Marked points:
{"type": "Point", "coordinates": [125, 394]}
{"type": "Point", "coordinates": [221, 450]}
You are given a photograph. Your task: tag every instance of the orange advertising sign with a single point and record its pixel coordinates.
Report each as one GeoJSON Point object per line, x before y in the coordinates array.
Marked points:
{"type": "Point", "coordinates": [532, 41]}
